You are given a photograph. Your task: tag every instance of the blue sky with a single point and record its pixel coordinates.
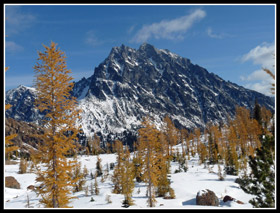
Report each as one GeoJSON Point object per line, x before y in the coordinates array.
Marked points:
{"type": "Point", "coordinates": [232, 41]}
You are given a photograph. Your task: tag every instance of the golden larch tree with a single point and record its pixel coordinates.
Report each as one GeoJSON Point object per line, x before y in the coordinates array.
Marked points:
{"type": "Point", "coordinates": [163, 163]}
{"type": "Point", "coordinates": [148, 146]}
{"type": "Point", "coordinates": [240, 123]}
{"type": "Point", "coordinates": [273, 77]}
{"type": "Point", "coordinates": [214, 136]}
{"type": "Point", "coordinates": [116, 178]}
{"type": "Point", "coordinates": [10, 147]}
{"type": "Point", "coordinates": [196, 140]}
{"type": "Point", "coordinates": [137, 162]}
{"type": "Point", "coordinates": [183, 135]}
{"type": "Point", "coordinates": [231, 158]}
{"type": "Point", "coordinates": [267, 118]}
{"type": "Point", "coordinates": [254, 132]}
{"type": "Point", "coordinates": [127, 178]}
{"type": "Point", "coordinates": [123, 177]}
{"type": "Point", "coordinates": [94, 145]}
{"type": "Point", "coordinates": [53, 85]}
{"type": "Point", "coordinates": [171, 134]}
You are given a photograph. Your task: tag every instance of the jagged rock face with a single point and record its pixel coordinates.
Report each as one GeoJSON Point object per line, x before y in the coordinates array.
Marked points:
{"type": "Point", "coordinates": [130, 84]}
{"type": "Point", "coordinates": [22, 101]}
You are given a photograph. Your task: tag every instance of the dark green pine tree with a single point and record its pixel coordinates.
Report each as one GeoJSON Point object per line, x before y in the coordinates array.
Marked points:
{"type": "Point", "coordinates": [257, 113]}
{"type": "Point", "coordinates": [261, 182]}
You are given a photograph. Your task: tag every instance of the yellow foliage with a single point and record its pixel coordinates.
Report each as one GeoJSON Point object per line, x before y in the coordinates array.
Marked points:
{"type": "Point", "coordinates": [148, 146]}
{"type": "Point", "coordinates": [60, 135]}
{"type": "Point", "coordinates": [9, 145]}
{"type": "Point", "coordinates": [170, 133]}
{"type": "Point", "coordinates": [273, 77]}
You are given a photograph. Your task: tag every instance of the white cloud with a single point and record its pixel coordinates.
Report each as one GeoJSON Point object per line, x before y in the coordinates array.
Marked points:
{"type": "Point", "coordinates": [259, 80]}
{"type": "Point", "coordinates": [92, 39]}
{"type": "Point", "coordinates": [17, 20]}
{"type": "Point", "coordinates": [130, 29]}
{"type": "Point", "coordinates": [12, 47]}
{"type": "Point", "coordinates": [257, 75]}
{"type": "Point", "coordinates": [262, 54]}
{"type": "Point", "coordinates": [210, 33]}
{"type": "Point", "coordinates": [168, 29]}
{"type": "Point", "coordinates": [262, 87]}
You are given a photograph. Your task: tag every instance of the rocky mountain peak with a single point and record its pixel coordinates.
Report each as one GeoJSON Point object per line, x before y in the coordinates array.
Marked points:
{"type": "Point", "coordinates": [148, 50]}
{"type": "Point", "coordinates": [131, 84]}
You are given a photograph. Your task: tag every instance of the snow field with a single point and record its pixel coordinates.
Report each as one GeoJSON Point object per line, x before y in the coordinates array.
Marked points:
{"type": "Point", "coordinates": [185, 184]}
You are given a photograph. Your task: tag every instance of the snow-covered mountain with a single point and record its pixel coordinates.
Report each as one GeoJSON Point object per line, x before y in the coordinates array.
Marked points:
{"type": "Point", "coordinates": [22, 101]}
{"type": "Point", "coordinates": [130, 84]}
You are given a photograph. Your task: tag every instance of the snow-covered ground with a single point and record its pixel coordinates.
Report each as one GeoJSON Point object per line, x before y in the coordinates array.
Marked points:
{"type": "Point", "coordinates": [185, 184]}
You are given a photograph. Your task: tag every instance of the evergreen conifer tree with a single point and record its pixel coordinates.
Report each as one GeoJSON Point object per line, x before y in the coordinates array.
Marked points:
{"type": "Point", "coordinates": [261, 181]}
{"type": "Point", "coordinates": [257, 113]}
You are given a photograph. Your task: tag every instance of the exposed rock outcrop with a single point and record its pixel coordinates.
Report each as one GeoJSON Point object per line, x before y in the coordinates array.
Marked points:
{"type": "Point", "coordinates": [207, 198]}
{"type": "Point", "coordinates": [11, 182]}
